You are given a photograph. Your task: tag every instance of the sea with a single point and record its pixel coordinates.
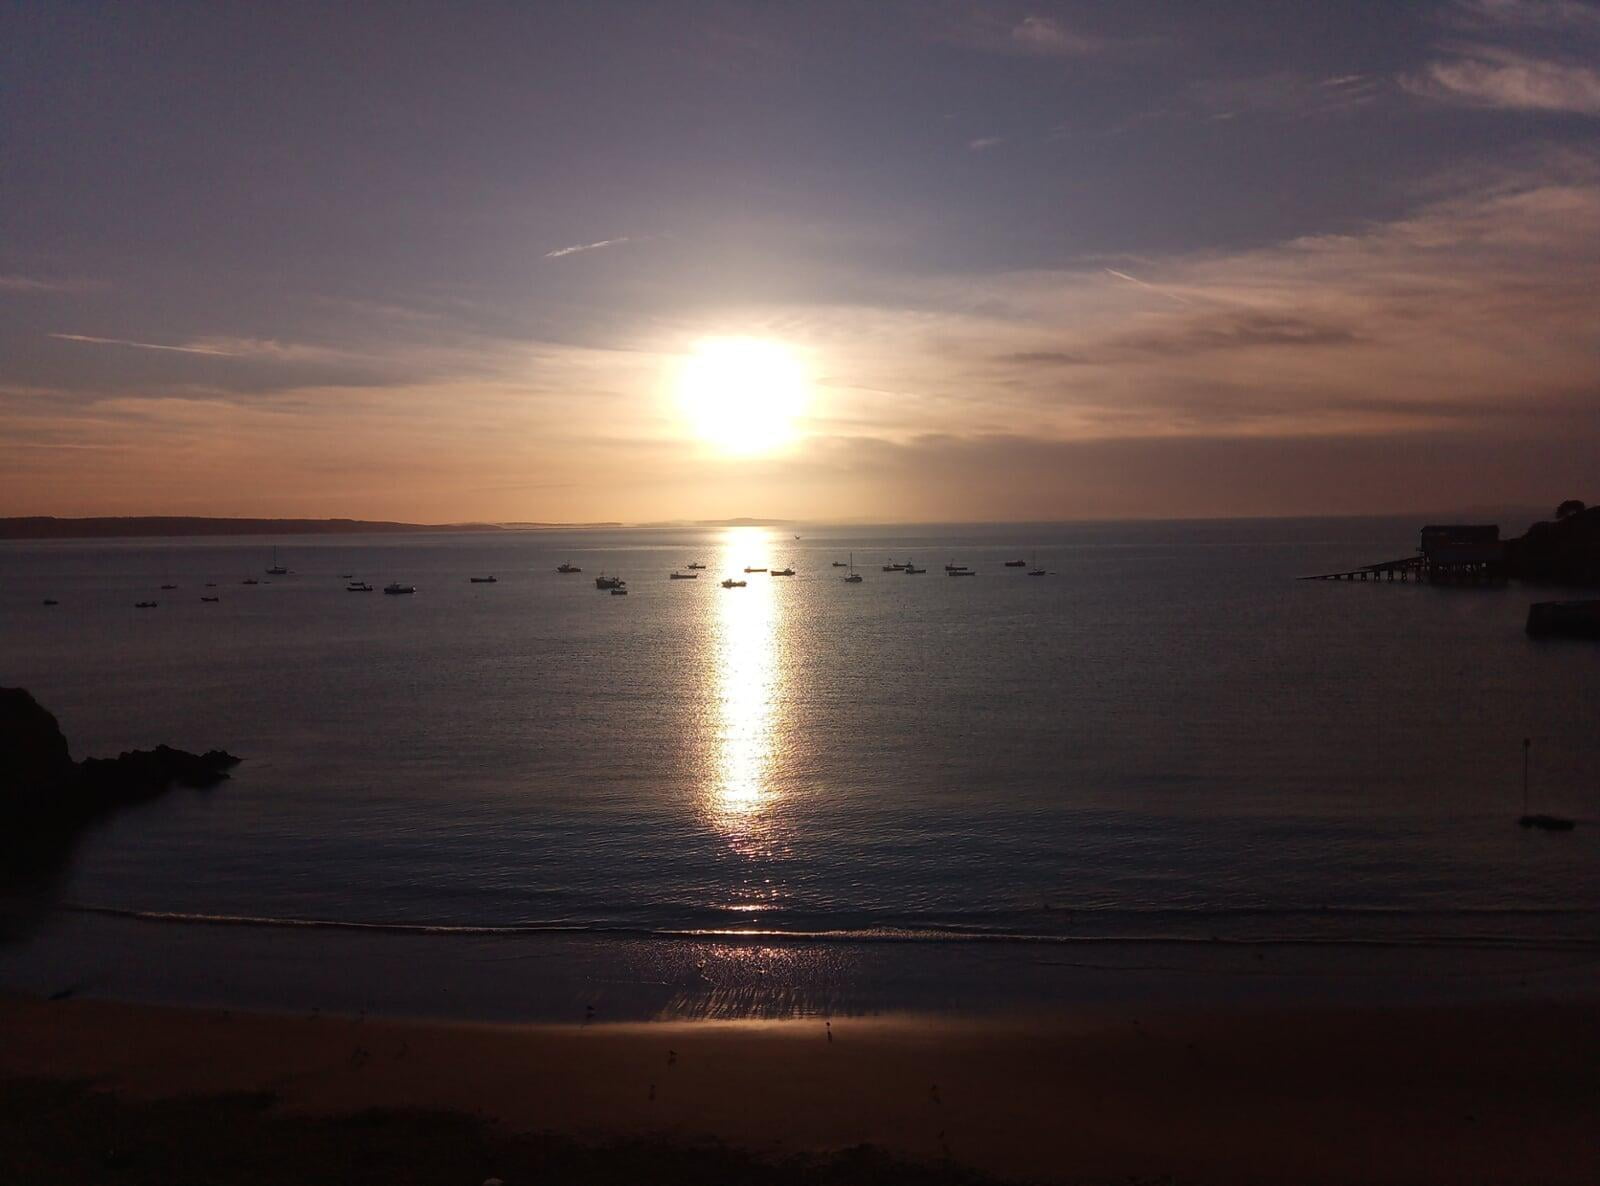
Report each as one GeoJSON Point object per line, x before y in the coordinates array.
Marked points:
{"type": "Point", "coordinates": [1165, 767]}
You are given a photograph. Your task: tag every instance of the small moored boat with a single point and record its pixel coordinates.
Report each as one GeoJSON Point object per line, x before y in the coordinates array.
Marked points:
{"type": "Point", "coordinates": [358, 587]}
{"type": "Point", "coordinates": [730, 583]}
{"type": "Point", "coordinates": [568, 567]}
{"type": "Point", "coordinates": [749, 569]}
{"type": "Point", "coordinates": [144, 605]}
{"type": "Point", "coordinates": [211, 599]}
{"type": "Point", "coordinates": [484, 580]}
{"type": "Point", "coordinates": [685, 576]}
{"type": "Point", "coordinates": [782, 572]}
{"type": "Point", "coordinates": [397, 588]}
{"type": "Point", "coordinates": [604, 582]}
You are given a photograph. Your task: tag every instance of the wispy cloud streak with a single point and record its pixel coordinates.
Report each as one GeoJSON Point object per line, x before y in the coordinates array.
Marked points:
{"type": "Point", "coordinates": [94, 341]}
{"type": "Point", "coordinates": [576, 248]}
{"type": "Point", "coordinates": [1182, 300]}
{"type": "Point", "coordinates": [17, 283]}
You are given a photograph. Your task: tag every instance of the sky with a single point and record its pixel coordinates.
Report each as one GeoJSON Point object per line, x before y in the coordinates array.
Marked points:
{"type": "Point", "coordinates": [443, 263]}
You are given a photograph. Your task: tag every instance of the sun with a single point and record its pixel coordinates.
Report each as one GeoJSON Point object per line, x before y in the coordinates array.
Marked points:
{"type": "Point", "coordinates": [743, 394]}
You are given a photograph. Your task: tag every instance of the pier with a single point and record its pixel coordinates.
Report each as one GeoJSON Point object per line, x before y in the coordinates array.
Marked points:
{"type": "Point", "coordinates": [1456, 554]}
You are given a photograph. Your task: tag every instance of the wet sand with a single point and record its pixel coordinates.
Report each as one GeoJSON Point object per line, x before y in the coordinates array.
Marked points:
{"type": "Point", "coordinates": [1464, 1093]}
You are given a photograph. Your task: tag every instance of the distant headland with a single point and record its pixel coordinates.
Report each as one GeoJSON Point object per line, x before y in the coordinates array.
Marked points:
{"type": "Point", "coordinates": [49, 527]}
{"type": "Point", "coordinates": [137, 526]}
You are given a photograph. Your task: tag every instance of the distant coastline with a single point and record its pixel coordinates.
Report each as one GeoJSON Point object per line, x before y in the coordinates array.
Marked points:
{"type": "Point", "coordinates": [49, 527]}
{"type": "Point", "coordinates": [139, 526]}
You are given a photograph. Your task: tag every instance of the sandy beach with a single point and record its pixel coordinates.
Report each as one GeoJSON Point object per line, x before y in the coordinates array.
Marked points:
{"type": "Point", "coordinates": [1491, 1093]}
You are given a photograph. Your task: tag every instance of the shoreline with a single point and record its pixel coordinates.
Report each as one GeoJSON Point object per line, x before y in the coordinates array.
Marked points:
{"type": "Point", "coordinates": [1324, 1093]}
{"type": "Point", "coordinates": [566, 977]}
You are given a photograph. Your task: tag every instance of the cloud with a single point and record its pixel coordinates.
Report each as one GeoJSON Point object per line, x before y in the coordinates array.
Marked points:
{"type": "Point", "coordinates": [1031, 36]}
{"type": "Point", "coordinates": [579, 247]}
{"type": "Point", "coordinates": [1182, 300]}
{"type": "Point", "coordinates": [1286, 95]}
{"type": "Point", "coordinates": [985, 142]}
{"type": "Point", "coordinates": [1557, 15]}
{"type": "Point", "coordinates": [17, 283]}
{"type": "Point", "coordinates": [94, 341]}
{"type": "Point", "coordinates": [1487, 76]}
{"type": "Point", "coordinates": [1041, 35]}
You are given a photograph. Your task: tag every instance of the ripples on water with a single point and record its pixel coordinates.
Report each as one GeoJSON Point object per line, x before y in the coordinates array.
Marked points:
{"type": "Point", "coordinates": [1168, 738]}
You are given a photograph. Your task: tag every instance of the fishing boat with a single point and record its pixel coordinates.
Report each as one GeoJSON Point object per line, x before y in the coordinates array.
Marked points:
{"type": "Point", "coordinates": [250, 581]}
{"type": "Point", "coordinates": [954, 567]}
{"type": "Point", "coordinates": [748, 569]}
{"type": "Point", "coordinates": [277, 570]}
{"type": "Point", "coordinates": [484, 580]}
{"type": "Point", "coordinates": [620, 591]}
{"type": "Point", "coordinates": [782, 572]}
{"type": "Point", "coordinates": [1016, 564]}
{"type": "Point", "coordinates": [854, 577]}
{"type": "Point", "coordinates": [568, 567]}
{"type": "Point", "coordinates": [685, 576]}
{"type": "Point", "coordinates": [1037, 572]}
{"type": "Point", "coordinates": [840, 564]}
{"type": "Point", "coordinates": [696, 564]}
{"type": "Point", "coordinates": [144, 605]}
{"type": "Point", "coordinates": [730, 583]}
{"type": "Point", "coordinates": [960, 572]}
{"type": "Point", "coordinates": [604, 582]}
{"type": "Point", "coordinates": [51, 601]}
{"type": "Point", "coordinates": [347, 576]}
{"type": "Point", "coordinates": [358, 587]}
{"type": "Point", "coordinates": [912, 570]}
{"type": "Point", "coordinates": [397, 588]}
{"type": "Point", "coordinates": [211, 599]}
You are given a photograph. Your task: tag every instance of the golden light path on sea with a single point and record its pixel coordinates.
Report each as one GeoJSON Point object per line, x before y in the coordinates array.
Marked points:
{"type": "Point", "coordinates": [746, 736]}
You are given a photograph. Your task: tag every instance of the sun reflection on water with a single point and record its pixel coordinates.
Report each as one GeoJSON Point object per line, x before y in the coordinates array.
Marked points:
{"type": "Point", "coordinates": [748, 645]}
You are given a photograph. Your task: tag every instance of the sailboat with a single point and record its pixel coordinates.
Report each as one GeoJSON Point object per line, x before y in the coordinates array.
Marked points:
{"type": "Point", "coordinates": [277, 570]}
{"type": "Point", "coordinates": [1036, 571]}
{"type": "Point", "coordinates": [855, 577]}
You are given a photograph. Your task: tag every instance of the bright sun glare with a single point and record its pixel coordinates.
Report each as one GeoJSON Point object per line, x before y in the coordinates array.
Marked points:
{"type": "Point", "coordinates": [743, 394]}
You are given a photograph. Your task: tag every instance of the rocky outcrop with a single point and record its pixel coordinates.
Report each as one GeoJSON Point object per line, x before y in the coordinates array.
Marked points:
{"type": "Point", "coordinates": [1562, 551]}
{"type": "Point", "coordinates": [47, 801]}
{"type": "Point", "coordinates": [33, 752]}
{"type": "Point", "coordinates": [39, 781]}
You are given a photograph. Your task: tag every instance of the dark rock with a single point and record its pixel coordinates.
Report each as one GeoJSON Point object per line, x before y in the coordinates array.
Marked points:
{"type": "Point", "coordinates": [1563, 551]}
{"type": "Point", "coordinates": [33, 752]}
{"type": "Point", "coordinates": [40, 783]}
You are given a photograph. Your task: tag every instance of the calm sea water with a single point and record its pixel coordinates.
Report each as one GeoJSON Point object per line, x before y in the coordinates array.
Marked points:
{"type": "Point", "coordinates": [1167, 739]}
